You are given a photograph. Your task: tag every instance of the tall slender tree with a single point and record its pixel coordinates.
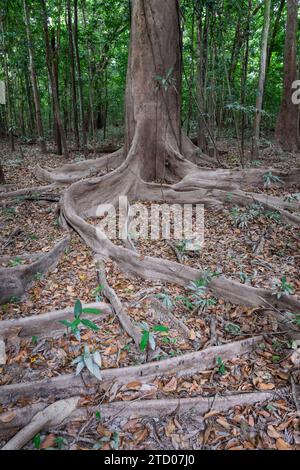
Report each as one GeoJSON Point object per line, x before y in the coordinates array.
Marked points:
{"type": "Point", "coordinates": [53, 78]}
{"type": "Point", "coordinates": [34, 82]}
{"type": "Point", "coordinates": [262, 77]}
{"type": "Point", "coordinates": [287, 128]}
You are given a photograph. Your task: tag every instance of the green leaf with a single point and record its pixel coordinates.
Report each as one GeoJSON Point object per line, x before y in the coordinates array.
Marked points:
{"type": "Point", "coordinates": [37, 441]}
{"type": "Point", "coordinates": [77, 309]}
{"type": "Point", "coordinates": [89, 324]}
{"type": "Point", "coordinates": [92, 311]}
{"type": "Point", "coordinates": [160, 328]}
{"type": "Point", "coordinates": [66, 323]}
{"type": "Point", "coordinates": [144, 341]}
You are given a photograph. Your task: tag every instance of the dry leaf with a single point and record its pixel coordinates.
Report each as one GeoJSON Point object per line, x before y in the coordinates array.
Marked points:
{"type": "Point", "coordinates": [171, 386]}
{"type": "Point", "coordinates": [271, 431]}
{"type": "Point", "coordinates": [282, 445]}
{"type": "Point", "coordinates": [170, 428]}
{"type": "Point", "coordinates": [49, 441]}
{"type": "Point", "coordinates": [263, 386]}
{"type": "Point", "coordinates": [134, 385]}
{"type": "Point", "coordinates": [102, 431]}
{"type": "Point", "coordinates": [223, 422]}
{"type": "Point", "coordinates": [140, 436]}
{"type": "Point", "coordinates": [8, 417]}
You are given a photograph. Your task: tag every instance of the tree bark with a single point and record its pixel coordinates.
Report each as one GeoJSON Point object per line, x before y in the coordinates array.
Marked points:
{"type": "Point", "coordinates": [262, 77]}
{"type": "Point", "coordinates": [7, 86]}
{"type": "Point", "coordinates": [34, 83]}
{"type": "Point", "coordinates": [72, 74]}
{"type": "Point", "coordinates": [287, 128]}
{"type": "Point", "coordinates": [154, 84]}
{"type": "Point", "coordinates": [78, 64]}
{"type": "Point", "coordinates": [52, 77]}
{"type": "Point", "coordinates": [2, 178]}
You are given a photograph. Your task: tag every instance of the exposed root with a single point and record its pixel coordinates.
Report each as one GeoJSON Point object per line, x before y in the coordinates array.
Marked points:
{"type": "Point", "coordinates": [185, 365]}
{"type": "Point", "coordinates": [167, 315]}
{"type": "Point", "coordinates": [197, 406]}
{"type": "Point", "coordinates": [47, 323]}
{"type": "Point", "coordinates": [34, 192]}
{"type": "Point", "coordinates": [114, 300]}
{"type": "Point", "coordinates": [53, 415]}
{"type": "Point", "coordinates": [15, 281]}
{"type": "Point", "coordinates": [76, 171]}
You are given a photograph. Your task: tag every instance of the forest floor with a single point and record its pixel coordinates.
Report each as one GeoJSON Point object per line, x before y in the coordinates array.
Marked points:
{"type": "Point", "coordinates": [258, 255]}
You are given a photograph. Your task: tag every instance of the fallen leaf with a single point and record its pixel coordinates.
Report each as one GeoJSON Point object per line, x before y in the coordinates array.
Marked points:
{"type": "Point", "coordinates": [171, 386]}
{"type": "Point", "coordinates": [271, 431]}
{"type": "Point", "coordinates": [223, 422]}
{"type": "Point", "coordinates": [7, 417]}
{"type": "Point", "coordinates": [282, 445]}
{"type": "Point", "coordinates": [140, 436]}
{"type": "Point", "coordinates": [102, 431]}
{"type": "Point", "coordinates": [49, 441]}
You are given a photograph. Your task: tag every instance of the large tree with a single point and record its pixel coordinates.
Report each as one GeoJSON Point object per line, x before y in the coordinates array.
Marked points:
{"type": "Point", "coordinates": [287, 128]}
{"type": "Point", "coordinates": [156, 149]}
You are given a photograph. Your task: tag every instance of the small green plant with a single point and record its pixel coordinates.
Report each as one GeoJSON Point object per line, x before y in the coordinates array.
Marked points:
{"type": "Point", "coordinates": [98, 415]}
{"type": "Point", "coordinates": [34, 340]}
{"type": "Point", "coordinates": [185, 301]}
{"type": "Point", "coordinates": [232, 328]}
{"type": "Point", "coordinates": [167, 81]}
{"type": "Point", "coordinates": [90, 360]}
{"type": "Point", "coordinates": [37, 441]}
{"type": "Point", "coordinates": [60, 442]}
{"type": "Point", "coordinates": [199, 290]}
{"type": "Point", "coordinates": [166, 300]}
{"type": "Point", "coordinates": [240, 219]}
{"type": "Point", "coordinates": [148, 340]}
{"type": "Point", "coordinates": [291, 198]}
{"type": "Point", "coordinates": [273, 215]}
{"type": "Point", "coordinates": [270, 179]}
{"type": "Point", "coordinates": [14, 299]}
{"type": "Point", "coordinates": [282, 287]}
{"type": "Point", "coordinates": [78, 321]}
{"type": "Point", "coordinates": [32, 236]}
{"type": "Point", "coordinates": [182, 246]}
{"type": "Point", "coordinates": [38, 276]}
{"type": "Point", "coordinates": [97, 293]}
{"type": "Point", "coordinates": [221, 366]}
{"type": "Point", "coordinates": [297, 320]}
{"type": "Point", "coordinates": [15, 262]}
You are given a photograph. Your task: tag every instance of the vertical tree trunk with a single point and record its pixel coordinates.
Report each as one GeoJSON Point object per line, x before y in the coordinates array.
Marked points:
{"type": "Point", "coordinates": [57, 134]}
{"type": "Point", "coordinates": [202, 143]}
{"type": "Point", "coordinates": [274, 34]}
{"type": "Point", "coordinates": [72, 74]}
{"type": "Point", "coordinates": [52, 77]}
{"type": "Point", "coordinates": [154, 84]}
{"type": "Point", "coordinates": [2, 178]}
{"type": "Point", "coordinates": [7, 86]}
{"type": "Point", "coordinates": [80, 82]}
{"type": "Point", "coordinates": [90, 75]}
{"type": "Point", "coordinates": [287, 128]}
{"type": "Point", "coordinates": [191, 79]}
{"type": "Point", "coordinates": [262, 77]}
{"type": "Point", "coordinates": [34, 84]}
{"type": "Point", "coordinates": [244, 78]}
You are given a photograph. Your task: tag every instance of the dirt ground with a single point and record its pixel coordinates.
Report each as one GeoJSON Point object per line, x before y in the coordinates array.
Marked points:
{"type": "Point", "coordinates": [258, 255]}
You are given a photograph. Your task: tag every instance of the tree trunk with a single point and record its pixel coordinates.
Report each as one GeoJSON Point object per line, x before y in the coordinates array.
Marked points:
{"type": "Point", "coordinates": [2, 178]}
{"type": "Point", "coordinates": [80, 84]}
{"type": "Point", "coordinates": [34, 84]}
{"type": "Point", "coordinates": [154, 84]}
{"type": "Point", "coordinates": [262, 77]}
{"type": "Point", "coordinates": [7, 86]}
{"type": "Point", "coordinates": [287, 128]}
{"type": "Point", "coordinates": [52, 77]}
{"type": "Point", "coordinates": [72, 73]}
{"type": "Point", "coordinates": [57, 135]}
